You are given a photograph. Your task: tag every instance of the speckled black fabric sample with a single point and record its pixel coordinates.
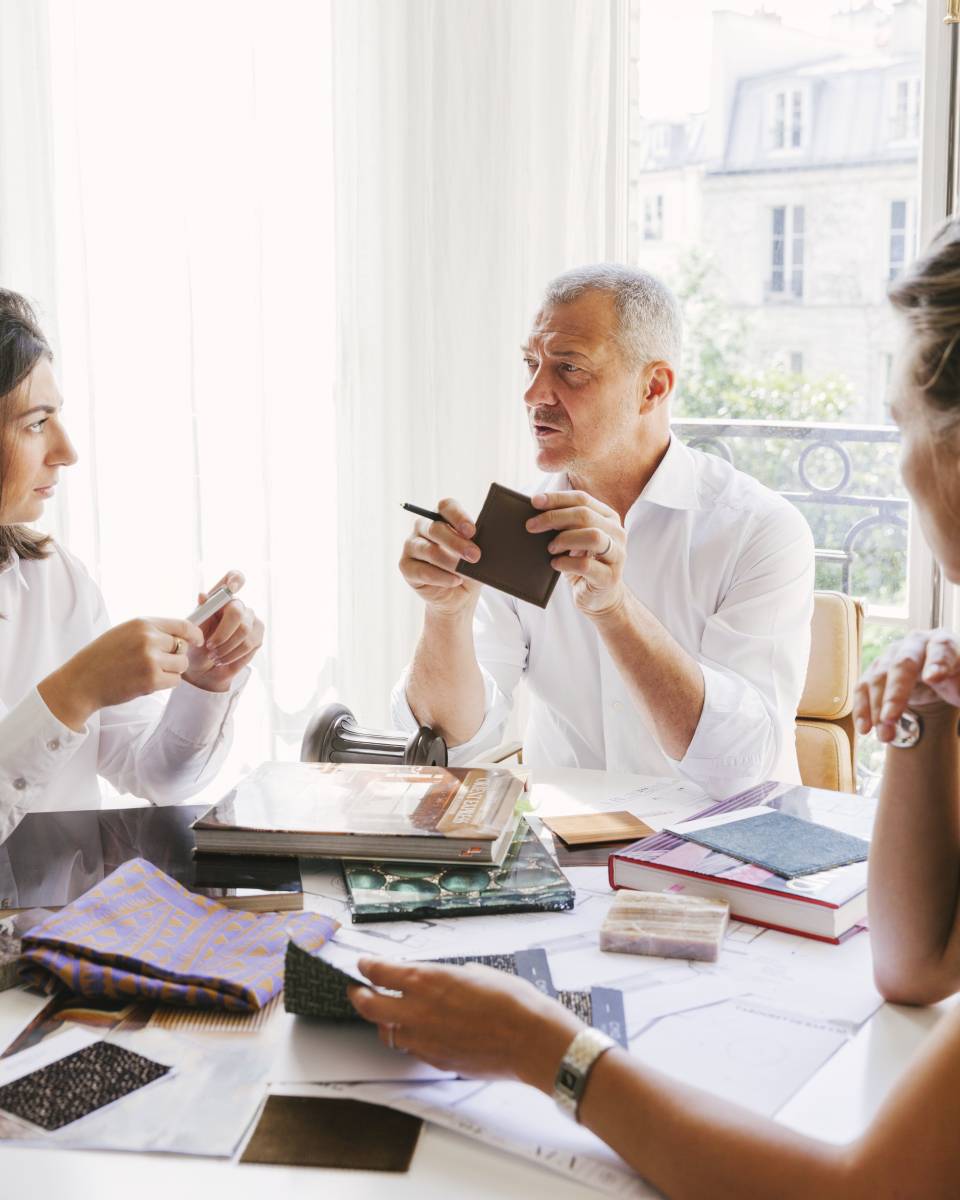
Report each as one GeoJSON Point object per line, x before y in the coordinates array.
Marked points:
{"type": "Point", "coordinates": [74, 1086]}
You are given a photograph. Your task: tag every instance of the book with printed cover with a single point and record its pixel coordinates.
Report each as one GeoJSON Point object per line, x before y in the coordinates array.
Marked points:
{"type": "Point", "coordinates": [362, 810]}
{"type": "Point", "coordinates": [825, 906]}
{"type": "Point", "coordinates": [528, 881]}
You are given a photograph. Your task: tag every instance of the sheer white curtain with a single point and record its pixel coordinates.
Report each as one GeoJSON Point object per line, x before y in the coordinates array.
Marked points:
{"type": "Point", "coordinates": [479, 152]}
{"type": "Point", "coordinates": [185, 158]}
{"type": "Point", "coordinates": [190, 281]}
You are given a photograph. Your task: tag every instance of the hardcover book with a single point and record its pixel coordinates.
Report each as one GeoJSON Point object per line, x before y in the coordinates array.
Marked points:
{"type": "Point", "coordinates": [825, 905]}
{"type": "Point", "coordinates": [528, 881]}
{"type": "Point", "coordinates": [359, 810]}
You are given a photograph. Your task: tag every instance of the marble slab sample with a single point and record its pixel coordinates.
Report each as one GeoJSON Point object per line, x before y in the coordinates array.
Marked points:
{"type": "Point", "coordinates": [665, 925]}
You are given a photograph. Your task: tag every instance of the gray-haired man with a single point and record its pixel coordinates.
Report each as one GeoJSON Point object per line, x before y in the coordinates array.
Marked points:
{"type": "Point", "coordinates": [679, 644]}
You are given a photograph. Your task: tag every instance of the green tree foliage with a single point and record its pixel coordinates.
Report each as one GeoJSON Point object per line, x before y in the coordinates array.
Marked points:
{"type": "Point", "coordinates": [721, 381]}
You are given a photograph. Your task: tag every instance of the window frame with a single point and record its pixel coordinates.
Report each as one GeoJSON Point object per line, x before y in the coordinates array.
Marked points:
{"type": "Point", "coordinates": [790, 269]}
{"type": "Point", "coordinates": [789, 94]}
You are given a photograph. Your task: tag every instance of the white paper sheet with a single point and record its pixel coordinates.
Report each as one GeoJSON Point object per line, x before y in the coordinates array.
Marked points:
{"type": "Point", "coordinates": [306, 1050]}
{"type": "Point", "coordinates": [513, 1118]}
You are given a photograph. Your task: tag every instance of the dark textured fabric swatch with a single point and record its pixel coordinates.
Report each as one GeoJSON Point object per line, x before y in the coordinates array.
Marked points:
{"type": "Point", "coordinates": [783, 844]}
{"type": "Point", "coordinates": [72, 1087]}
{"type": "Point", "coordinates": [320, 1131]}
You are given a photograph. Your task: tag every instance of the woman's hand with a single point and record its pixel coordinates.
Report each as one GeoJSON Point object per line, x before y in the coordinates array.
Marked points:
{"type": "Point", "coordinates": [921, 671]}
{"type": "Point", "coordinates": [472, 1019]}
{"type": "Point", "coordinates": [590, 545]}
{"type": "Point", "coordinates": [133, 659]}
{"type": "Point", "coordinates": [231, 637]}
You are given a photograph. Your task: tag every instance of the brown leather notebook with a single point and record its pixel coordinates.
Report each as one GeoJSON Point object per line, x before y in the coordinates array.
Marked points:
{"type": "Point", "coordinates": [512, 560]}
{"type": "Point", "coordinates": [321, 1131]}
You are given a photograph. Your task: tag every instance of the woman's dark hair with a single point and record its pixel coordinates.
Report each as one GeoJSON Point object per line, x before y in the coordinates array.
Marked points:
{"type": "Point", "coordinates": [22, 345]}
{"type": "Point", "coordinates": [928, 296]}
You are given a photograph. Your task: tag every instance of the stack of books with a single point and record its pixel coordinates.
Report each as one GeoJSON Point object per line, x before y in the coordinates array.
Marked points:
{"type": "Point", "coordinates": [415, 842]}
{"type": "Point", "coordinates": [803, 872]}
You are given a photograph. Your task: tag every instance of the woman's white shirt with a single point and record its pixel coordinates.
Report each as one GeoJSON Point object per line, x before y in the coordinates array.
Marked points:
{"type": "Point", "coordinates": [162, 751]}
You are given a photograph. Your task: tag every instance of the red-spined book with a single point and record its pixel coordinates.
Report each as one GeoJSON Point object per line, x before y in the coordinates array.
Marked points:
{"type": "Point", "coordinates": [825, 906]}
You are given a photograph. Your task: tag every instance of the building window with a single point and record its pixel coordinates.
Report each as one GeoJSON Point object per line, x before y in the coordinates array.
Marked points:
{"type": "Point", "coordinates": [796, 362]}
{"type": "Point", "coordinates": [653, 218]}
{"type": "Point", "coordinates": [902, 242]}
{"type": "Point", "coordinates": [789, 119]}
{"type": "Point", "coordinates": [905, 120]}
{"type": "Point", "coordinates": [787, 252]}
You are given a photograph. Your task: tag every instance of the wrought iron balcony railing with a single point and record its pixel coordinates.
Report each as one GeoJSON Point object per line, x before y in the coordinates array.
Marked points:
{"type": "Point", "coordinates": [860, 498]}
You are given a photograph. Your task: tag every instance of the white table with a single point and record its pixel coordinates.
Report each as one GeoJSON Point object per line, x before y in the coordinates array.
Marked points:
{"type": "Point", "coordinates": [836, 1104]}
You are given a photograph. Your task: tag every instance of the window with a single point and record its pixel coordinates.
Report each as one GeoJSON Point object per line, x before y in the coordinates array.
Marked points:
{"type": "Point", "coordinates": [788, 119]}
{"type": "Point", "coordinates": [905, 117]}
{"type": "Point", "coordinates": [786, 260]}
{"type": "Point", "coordinates": [902, 240]}
{"type": "Point", "coordinates": [653, 218]}
{"type": "Point", "coordinates": [789, 335]}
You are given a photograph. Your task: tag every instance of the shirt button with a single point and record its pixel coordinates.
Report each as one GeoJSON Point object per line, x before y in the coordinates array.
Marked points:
{"type": "Point", "coordinates": [20, 783]}
{"type": "Point", "coordinates": [53, 744]}
{"type": "Point", "coordinates": [617, 706]}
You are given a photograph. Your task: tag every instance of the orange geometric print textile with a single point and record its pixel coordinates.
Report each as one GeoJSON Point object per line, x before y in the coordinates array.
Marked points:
{"type": "Point", "coordinates": [139, 933]}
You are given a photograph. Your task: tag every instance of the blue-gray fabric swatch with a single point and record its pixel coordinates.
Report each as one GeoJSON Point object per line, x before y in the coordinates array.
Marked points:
{"type": "Point", "coordinates": [785, 845]}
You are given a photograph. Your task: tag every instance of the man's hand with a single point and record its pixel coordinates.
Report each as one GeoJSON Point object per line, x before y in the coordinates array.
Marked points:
{"type": "Point", "coordinates": [590, 544]}
{"type": "Point", "coordinates": [430, 557]}
{"type": "Point", "coordinates": [921, 671]}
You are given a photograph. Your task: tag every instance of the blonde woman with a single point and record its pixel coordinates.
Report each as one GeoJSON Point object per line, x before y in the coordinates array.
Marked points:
{"type": "Point", "coordinates": [79, 699]}
{"type": "Point", "coordinates": [687, 1143]}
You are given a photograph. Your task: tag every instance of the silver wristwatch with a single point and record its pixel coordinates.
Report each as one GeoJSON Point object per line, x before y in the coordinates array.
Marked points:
{"type": "Point", "coordinates": [575, 1068]}
{"type": "Point", "coordinates": [909, 730]}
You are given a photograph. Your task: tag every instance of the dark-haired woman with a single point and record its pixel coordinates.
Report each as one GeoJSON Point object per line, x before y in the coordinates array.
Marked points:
{"type": "Point", "coordinates": [687, 1143]}
{"type": "Point", "coordinates": [78, 698]}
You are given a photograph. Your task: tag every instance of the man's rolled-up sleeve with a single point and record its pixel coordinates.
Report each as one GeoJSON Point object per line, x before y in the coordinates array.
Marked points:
{"type": "Point", "coordinates": [501, 650]}
{"type": "Point", "coordinates": [754, 654]}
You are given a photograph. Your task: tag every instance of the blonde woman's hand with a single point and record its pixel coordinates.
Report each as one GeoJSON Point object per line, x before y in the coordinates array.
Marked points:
{"type": "Point", "coordinates": [921, 671]}
{"type": "Point", "coordinates": [471, 1019]}
{"type": "Point", "coordinates": [231, 637]}
{"type": "Point", "coordinates": [134, 659]}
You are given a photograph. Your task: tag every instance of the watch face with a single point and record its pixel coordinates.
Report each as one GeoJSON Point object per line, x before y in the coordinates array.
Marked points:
{"type": "Point", "coordinates": [909, 729]}
{"type": "Point", "coordinates": [567, 1079]}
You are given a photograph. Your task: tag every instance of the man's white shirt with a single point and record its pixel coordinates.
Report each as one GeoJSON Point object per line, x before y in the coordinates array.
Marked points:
{"type": "Point", "coordinates": [727, 567]}
{"type": "Point", "coordinates": [161, 749]}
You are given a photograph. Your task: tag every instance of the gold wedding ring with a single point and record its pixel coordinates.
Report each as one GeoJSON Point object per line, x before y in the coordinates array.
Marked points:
{"type": "Point", "coordinates": [392, 1036]}
{"type": "Point", "coordinates": [177, 646]}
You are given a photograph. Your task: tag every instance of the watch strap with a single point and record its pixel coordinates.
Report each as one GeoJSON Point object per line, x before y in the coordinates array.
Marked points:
{"type": "Point", "coordinates": [575, 1067]}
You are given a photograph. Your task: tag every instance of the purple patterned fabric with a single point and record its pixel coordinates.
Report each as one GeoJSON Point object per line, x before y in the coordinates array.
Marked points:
{"type": "Point", "coordinates": [139, 933]}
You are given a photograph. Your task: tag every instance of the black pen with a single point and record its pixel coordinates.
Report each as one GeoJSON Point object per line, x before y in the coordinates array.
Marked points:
{"type": "Point", "coordinates": [425, 512]}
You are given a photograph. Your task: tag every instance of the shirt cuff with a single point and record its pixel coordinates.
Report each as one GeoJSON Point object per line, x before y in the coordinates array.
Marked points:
{"type": "Point", "coordinates": [197, 716]}
{"type": "Point", "coordinates": [36, 745]}
{"type": "Point", "coordinates": [734, 744]}
{"type": "Point", "coordinates": [496, 709]}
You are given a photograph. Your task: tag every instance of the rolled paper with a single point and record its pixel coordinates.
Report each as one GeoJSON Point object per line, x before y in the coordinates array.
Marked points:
{"type": "Point", "coordinates": [666, 925]}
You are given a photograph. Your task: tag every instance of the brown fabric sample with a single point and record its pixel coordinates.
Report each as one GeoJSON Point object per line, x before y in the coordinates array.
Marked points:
{"type": "Point", "coordinates": [320, 1131]}
{"type": "Point", "coordinates": [512, 560]}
